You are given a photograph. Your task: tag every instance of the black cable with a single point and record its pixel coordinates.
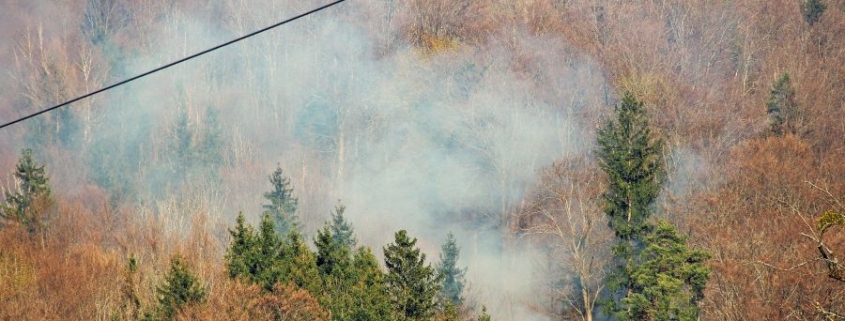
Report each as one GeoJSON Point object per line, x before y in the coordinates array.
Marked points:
{"type": "Point", "coordinates": [169, 65]}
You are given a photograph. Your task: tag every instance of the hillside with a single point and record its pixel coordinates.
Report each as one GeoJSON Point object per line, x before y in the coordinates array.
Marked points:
{"type": "Point", "coordinates": [488, 120]}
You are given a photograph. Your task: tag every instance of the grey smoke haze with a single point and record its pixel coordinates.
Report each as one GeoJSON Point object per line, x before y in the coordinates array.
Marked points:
{"type": "Point", "coordinates": [407, 140]}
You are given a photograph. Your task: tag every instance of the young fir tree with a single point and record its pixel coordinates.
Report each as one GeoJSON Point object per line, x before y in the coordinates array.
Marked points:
{"type": "Point", "coordinates": [370, 299]}
{"type": "Point", "coordinates": [255, 256]}
{"type": "Point", "coordinates": [411, 283]}
{"type": "Point", "coordinates": [28, 203]}
{"type": "Point", "coordinates": [180, 288]}
{"type": "Point", "coordinates": [452, 286]}
{"type": "Point", "coordinates": [781, 108]}
{"type": "Point", "coordinates": [812, 11]}
{"type": "Point", "coordinates": [282, 207]}
{"type": "Point", "coordinates": [353, 284]}
{"type": "Point", "coordinates": [334, 261]}
{"type": "Point", "coordinates": [239, 255]}
{"type": "Point", "coordinates": [669, 282]}
{"type": "Point", "coordinates": [342, 229]}
{"type": "Point", "coordinates": [298, 265]}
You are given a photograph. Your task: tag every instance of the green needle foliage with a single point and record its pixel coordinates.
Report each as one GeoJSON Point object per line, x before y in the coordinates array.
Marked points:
{"type": "Point", "coordinates": [655, 277]}
{"type": "Point", "coordinates": [28, 204]}
{"type": "Point", "coordinates": [781, 108]}
{"type": "Point", "coordinates": [411, 283]}
{"type": "Point", "coordinates": [282, 207]}
{"type": "Point", "coordinates": [631, 157]}
{"type": "Point", "coordinates": [180, 288]}
{"type": "Point", "coordinates": [669, 282]}
{"type": "Point", "coordinates": [453, 276]}
{"type": "Point", "coordinates": [812, 10]}
{"type": "Point", "coordinates": [353, 284]}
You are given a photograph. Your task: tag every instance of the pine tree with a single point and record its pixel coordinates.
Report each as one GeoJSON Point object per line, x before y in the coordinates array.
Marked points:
{"type": "Point", "coordinates": [332, 257]}
{"type": "Point", "coordinates": [669, 282]}
{"type": "Point", "coordinates": [411, 284]}
{"type": "Point", "coordinates": [656, 276]}
{"type": "Point", "coordinates": [255, 257]}
{"type": "Point", "coordinates": [243, 244]}
{"type": "Point", "coordinates": [453, 276]}
{"type": "Point", "coordinates": [369, 293]}
{"type": "Point", "coordinates": [28, 203]}
{"type": "Point", "coordinates": [812, 11]}
{"type": "Point", "coordinates": [282, 207]}
{"type": "Point", "coordinates": [631, 157]}
{"type": "Point", "coordinates": [297, 264]}
{"type": "Point", "coordinates": [269, 255]}
{"type": "Point", "coordinates": [781, 108]}
{"type": "Point", "coordinates": [180, 288]}
{"type": "Point", "coordinates": [341, 229]}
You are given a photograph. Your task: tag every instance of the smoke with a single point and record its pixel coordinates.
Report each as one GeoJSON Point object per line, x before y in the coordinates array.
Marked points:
{"type": "Point", "coordinates": [430, 142]}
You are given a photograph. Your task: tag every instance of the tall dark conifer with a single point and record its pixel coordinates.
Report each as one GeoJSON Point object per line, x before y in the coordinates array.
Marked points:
{"type": "Point", "coordinates": [655, 277]}
{"type": "Point", "coordinates": [452, 275]}
{"type": "Point", "coordinates": [631, 157]}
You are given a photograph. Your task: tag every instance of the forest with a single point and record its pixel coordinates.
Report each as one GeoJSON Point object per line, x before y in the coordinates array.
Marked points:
{"type": "Point", "coordinates": [438, 160]}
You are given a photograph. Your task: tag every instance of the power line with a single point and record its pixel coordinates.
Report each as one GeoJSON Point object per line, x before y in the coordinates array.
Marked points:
{"type": "Point", "coordinates": [170, 64]}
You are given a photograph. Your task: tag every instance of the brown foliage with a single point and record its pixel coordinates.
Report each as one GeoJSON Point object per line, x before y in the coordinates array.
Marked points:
{"type": "Point", "coordinates": [238, 302]}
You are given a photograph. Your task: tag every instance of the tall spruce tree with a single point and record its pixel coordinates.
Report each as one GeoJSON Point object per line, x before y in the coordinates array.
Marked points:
{"type": "Point", "coordinates": [452, 286]}
{"type": "Point", "coordinates": [28, 203]}
{"type": "Point", "coordinates": [282, 207]}
{"type": "Point", "coordinates": [631, 157]}
{"type": "Point", "coordinates": [655, 277]}
{"type": "Point", "coordinates": [411, 283]}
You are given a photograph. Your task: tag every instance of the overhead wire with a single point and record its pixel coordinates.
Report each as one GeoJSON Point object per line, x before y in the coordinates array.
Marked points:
{"type": "Point", "coordinates": [171, 64]}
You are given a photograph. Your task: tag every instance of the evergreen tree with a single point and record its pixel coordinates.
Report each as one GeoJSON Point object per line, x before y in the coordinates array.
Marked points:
{"type": "Point", "coordinates": [452, 286]}
{"type": "Point", "coordinates": [812, 11]}
{"type": "Point", "coordinates": [28, 203]}
{"type": "Point", "coordinates": [211, 146]}
{"type": "Point", "coordinates": [180, 146]}
{"type": "Point", "coordinates": [180, 288]}
{"type": "Point", "coordinates": [353, 285]}
{"type": "Point", "coordinates": [484, 316]}
{"type": "Point", "coordinates": [268, 255]}
{"type": "Point", "coordinates": [669, 282]}
{"type": "Point", "coordinates": [297, 264]}
{"type": "Point", "coordinates": [253, 256]}
{"type": "Point", "coordinates": [411, 284]}
{"type": "Point", "coordinates": [131, 303]}
{"type": "Point", "coordinates": [243, 244]}
{"type": "Point", "coordinates": [781, 108]}
{"type": "Point", "coordinates": [341, 229]}
{"type": "Point", "coordinates": [333, 257]}
{"type": "Point", "coordinates": [631, 157]}
{"type": "Point", "coordinates": [656, 276]}
{"type": "Point", "coordinates": [282, 207]}
{"type": "Point", "coordinates": [370, 300]}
